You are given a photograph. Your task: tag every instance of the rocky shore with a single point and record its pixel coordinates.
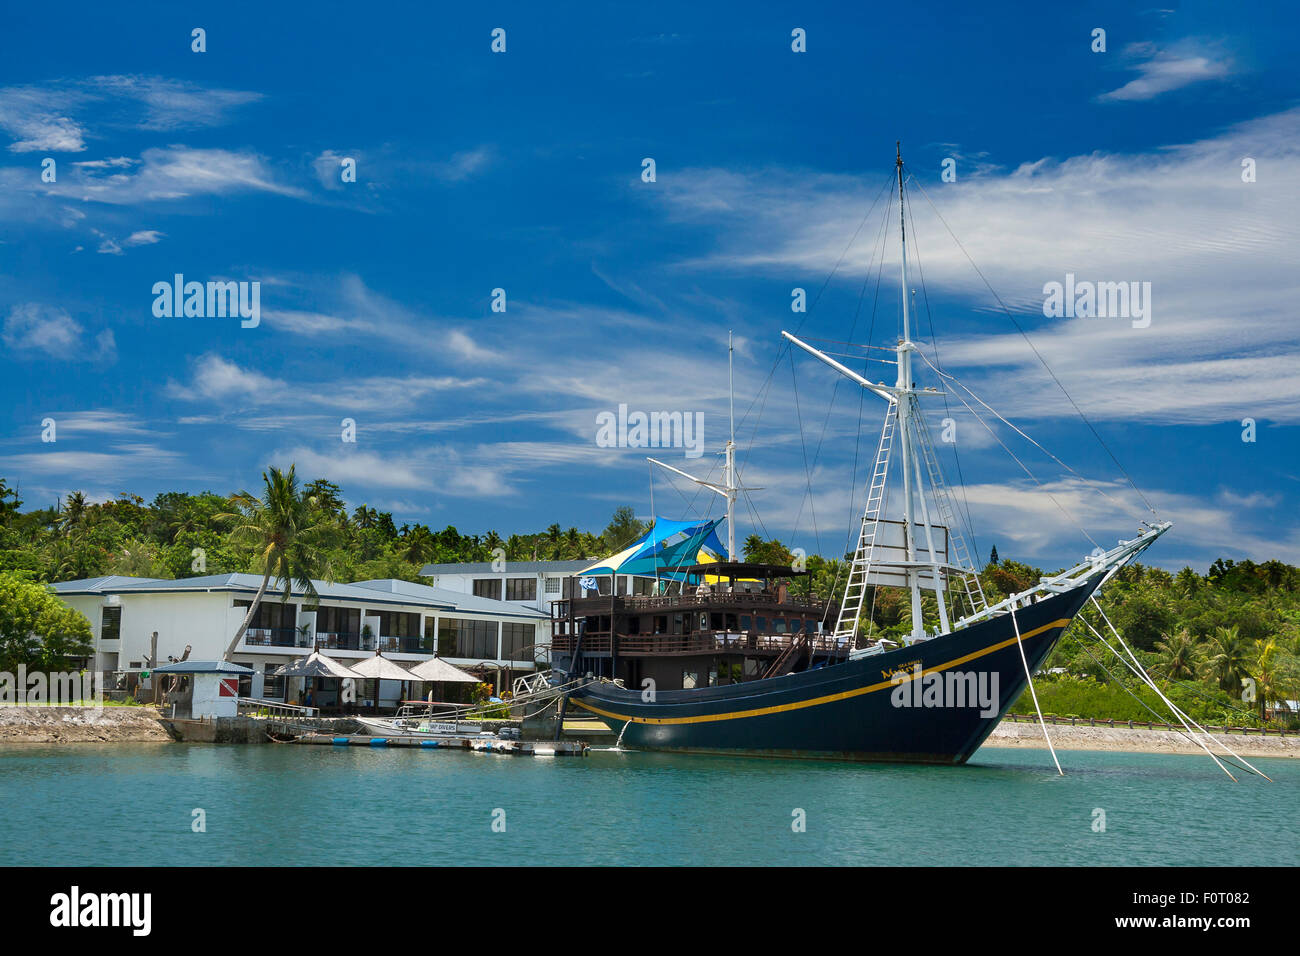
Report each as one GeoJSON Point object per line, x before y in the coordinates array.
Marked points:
{"type": "Point", "coordinates": [1008, 734]}
{"type": "Point", "coordinates": [57, 725]}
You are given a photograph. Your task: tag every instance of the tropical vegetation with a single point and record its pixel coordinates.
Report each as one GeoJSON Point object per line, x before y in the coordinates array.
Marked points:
{"type": "Point", "coordinates": [1224, 645]}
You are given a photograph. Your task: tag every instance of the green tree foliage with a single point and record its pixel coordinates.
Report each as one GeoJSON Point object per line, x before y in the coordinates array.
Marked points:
{"type": "Point", "coordinates": [289, 536]}
{"type": "Point", "coordinates": [1181, 625]}
{"type": "Point", "coordinates": [36, 628]}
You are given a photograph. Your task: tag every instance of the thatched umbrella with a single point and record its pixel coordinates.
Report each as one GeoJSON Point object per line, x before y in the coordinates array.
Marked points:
{"type": "Point", "coordinates": [380, 668]}
{"type": "Point", "coordinates": [437, 671]}
{"type": "Point", "coordinates": [316, 664]}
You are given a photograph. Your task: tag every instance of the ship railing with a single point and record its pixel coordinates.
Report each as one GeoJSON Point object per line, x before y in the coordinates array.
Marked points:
{"type": "Point", "coordinates": [1107, 563]}
{"type": "Point", "coordinates": [599, 642]}
{"type": "Point", "coordinates": [256, 706]}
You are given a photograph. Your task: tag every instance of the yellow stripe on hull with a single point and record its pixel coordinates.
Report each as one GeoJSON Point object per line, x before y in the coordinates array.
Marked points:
{"type": "Point", "coordinates": [818, 701]}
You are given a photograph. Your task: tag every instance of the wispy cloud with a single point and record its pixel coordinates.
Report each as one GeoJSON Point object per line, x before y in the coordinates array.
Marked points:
{"type": "Point", "coordinates": [1162, 71]}
{"type": "Point", "coordinates": [51, 117]}
{"type": "Point", "coordinates": [174, 172]}
{"type": "Point", "coordinates": [35, 330]}
{"type": "Point", "coordinates": [1180, 218]}
{"type": "Point", "coordinates": [217, 381]}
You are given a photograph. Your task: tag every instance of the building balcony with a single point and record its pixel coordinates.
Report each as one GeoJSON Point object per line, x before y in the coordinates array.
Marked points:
{"type": "Point", "coordinates": [404, 645]}
{"type": "Point", "coordinates": [343, 641]}
{"type": "Point", "coordinates": [707, 642]}
{"type": "Point", "coordinates": [275, 637]}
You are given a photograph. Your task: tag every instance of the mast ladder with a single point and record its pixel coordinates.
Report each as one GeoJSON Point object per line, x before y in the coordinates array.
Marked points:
{"type": "Point", "coordinates": [856, 589]}
{"type": "Point", "coordinates": [968, 582]}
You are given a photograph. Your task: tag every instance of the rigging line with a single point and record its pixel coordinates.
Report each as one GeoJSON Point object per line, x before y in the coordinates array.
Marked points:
{"type": "Point", "coordinates": [1182, 715]}
{"type": "Point", "coordinates": [757, 518]}
{"type": "Point", "coordinates": [966, 388]}
{"type": "Point", "coordinates": [871, 331]}
{"type": "Point", "coordinates": [812, 507]}
{"type": "Point", "coordinates": [1026, 470]}
{"type": "Point", "coordinates": [934, 341]}
{"type": "Point", "coordinates": [784, 345]}
{"type": "Point", "coordinates": [776, 362]}
{"type": "Point", "coordinates": [853, 345]}
{"type": "Point", "coordinates": [1038, 354]}
{"type": "Point", "coordinates": [1033, 693]}
{"type": "Point", "coordinates": [830, 408]}
{"type": "Point", "coordinates": [1115, 680]}
{"type": "Point", "coordinates": [880, 236]}
{"type": "Point", "coordinates": [654, 541]}
{"type": "Point", "coordinates": [857, 440]}
{"type": "Point", "coordinates": [840, 261]}
{"type": "Point", "coordinates": [850, 355]}
{"type": "Point", "coordinates": [1148, 682]}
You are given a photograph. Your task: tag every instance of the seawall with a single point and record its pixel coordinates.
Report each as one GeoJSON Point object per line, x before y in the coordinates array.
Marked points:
{"type": "Point", "coordinates": [50, 725]}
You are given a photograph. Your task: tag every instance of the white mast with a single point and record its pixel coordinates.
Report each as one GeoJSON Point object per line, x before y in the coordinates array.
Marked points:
{"type": "Point", "coordinates": [730, 486]}
{"type": "Point", "coordinates": [729, 477]}
{"type": "Point", "coordinates": [904, 387]}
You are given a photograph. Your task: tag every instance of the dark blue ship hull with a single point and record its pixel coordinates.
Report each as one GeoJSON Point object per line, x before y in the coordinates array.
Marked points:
{"type": "Point", "coordinates": [931, 702]}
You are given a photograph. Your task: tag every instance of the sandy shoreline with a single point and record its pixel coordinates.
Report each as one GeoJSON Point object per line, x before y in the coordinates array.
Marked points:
{"type": "Point", "coordinates": [51, 725]}
{"type": "Point", "coordinates": [1064, 737]}
{"type": "Point", "coordinates": [58, 725]}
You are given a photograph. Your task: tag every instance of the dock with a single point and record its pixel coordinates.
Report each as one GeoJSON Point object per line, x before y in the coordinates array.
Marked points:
{"type": "Point", "coordinates": [517, 748]}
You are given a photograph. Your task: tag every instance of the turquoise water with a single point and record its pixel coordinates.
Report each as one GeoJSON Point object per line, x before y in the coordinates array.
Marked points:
{"type": "Point", "coordinates": [132, 804]}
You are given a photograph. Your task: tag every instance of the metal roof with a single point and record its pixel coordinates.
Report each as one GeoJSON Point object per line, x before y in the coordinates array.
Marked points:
{"type": "Point", "coordinates": [453, 599]}
{"type": "Point", "coordinates": [202, 667]}
{"type": "Point", "coordinates": [387, 591]}
{"type": "Point", "coordinates": [512, 567]}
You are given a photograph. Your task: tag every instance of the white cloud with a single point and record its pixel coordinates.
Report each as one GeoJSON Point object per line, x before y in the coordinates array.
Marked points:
{"type": "Point", "coordinates": [32, 328]}
{"type": "Point", "coordinates": [1161, 71]}
{"type": "Point", "coordinates": [465, 165]}
{"type": "Point", "coordinates": [1219, 253]}
{"type": "Point", "coordinates": [175, 172]}
{"type": "Point", "coordinates": [173, 104]}
{"type": "Point", "coordinates": [218, 380]}
{"type": "Point", "coordinates": [122, 460]}
{"type": "Point", "coordinates": [144, 237]}
{"type": "Point", "coordinates": [49, 117]}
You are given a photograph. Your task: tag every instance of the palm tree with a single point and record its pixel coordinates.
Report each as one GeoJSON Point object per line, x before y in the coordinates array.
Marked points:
{"type": "Point", "coordinates": [1271, 671]}
{"type": "Point", "coordinates": [1179, 657]}
{"type": "Point", "coordinates": [419, 544]}
{"type": "Point", "coordinates": [74, 511]}
{"type": "Point", "coordinates": [286, 531]}
{"type": "Point", "coordinates": [1227, 661]}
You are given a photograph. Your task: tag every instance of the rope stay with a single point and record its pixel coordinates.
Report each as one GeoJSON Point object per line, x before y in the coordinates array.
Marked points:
{"type": "Point", "coordinates": [1037, 354]}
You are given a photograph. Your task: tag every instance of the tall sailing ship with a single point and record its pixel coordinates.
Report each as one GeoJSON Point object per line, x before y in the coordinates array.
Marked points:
{"type": "Point", "coordinates": [722, 656]}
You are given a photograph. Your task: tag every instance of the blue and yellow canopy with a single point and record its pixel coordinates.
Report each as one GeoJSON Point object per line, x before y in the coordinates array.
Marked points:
{"type": "Point", "coordinates": [665, 548]}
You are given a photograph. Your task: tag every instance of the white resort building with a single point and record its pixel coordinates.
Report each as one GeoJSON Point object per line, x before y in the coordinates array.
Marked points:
{"type": "Point", "coordinates": [408, 622]}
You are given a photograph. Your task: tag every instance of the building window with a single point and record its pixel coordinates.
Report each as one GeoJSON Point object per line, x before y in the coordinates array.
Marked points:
{"type": "Point", "coordinates": [488, 588]}
{"type": "Point", "coordinates": [338, 620]}
{"type": "Point", "coordinates": [517, 641]}
{"type": "Point", "coordinates": [690, 679]}
{"type": "Point", "coordinates": [552, 585]}
{"type": "Point", "coordinates": [399, 624]}
{"type": "Point", "coordinates": [521, 589]}
{"type": "Point", "coordinates": [272, 615]}
{"type": "Point", "coordinates": [110, 624]}
{"type": "Point", "coordinates": [272, 687]}
{"type": "Point", "coordinates": [467, 637]}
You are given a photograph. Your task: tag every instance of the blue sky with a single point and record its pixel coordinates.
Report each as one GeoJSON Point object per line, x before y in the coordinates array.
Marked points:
{"type": "Point", "coordinates": [522, 171]}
